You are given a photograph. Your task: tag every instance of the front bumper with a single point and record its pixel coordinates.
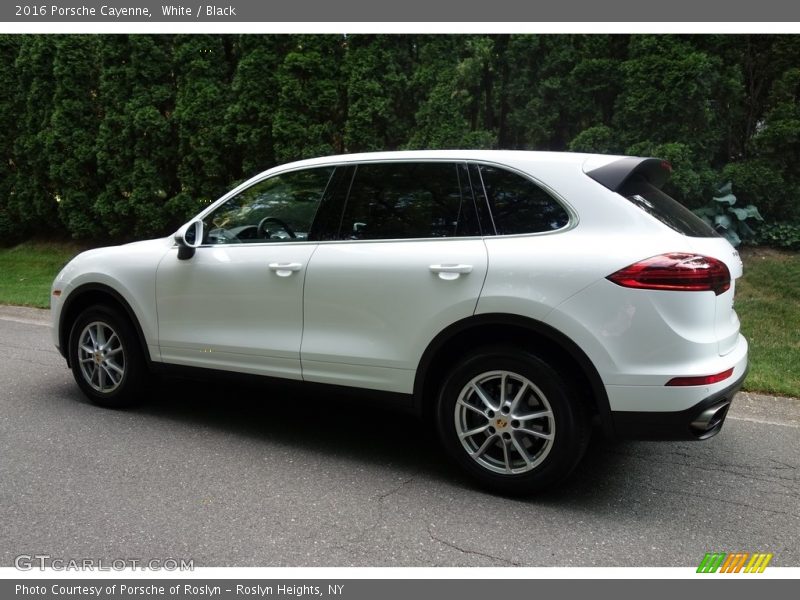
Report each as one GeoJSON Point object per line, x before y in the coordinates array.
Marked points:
{"type": "Point", "coordinates": [699, 422]}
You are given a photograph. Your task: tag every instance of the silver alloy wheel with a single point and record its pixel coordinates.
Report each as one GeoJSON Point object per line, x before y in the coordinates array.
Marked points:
{"type": "Point", "coordinates": [504, 422]}
{"type": "Point", "coordinates": [101, 357]}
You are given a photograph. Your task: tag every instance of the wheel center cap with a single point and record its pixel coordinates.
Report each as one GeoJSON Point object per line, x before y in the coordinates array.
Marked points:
{"type": "Point", "coordinates": [98, 358]}
{"type": "Point", "coordinates": [501, 423]}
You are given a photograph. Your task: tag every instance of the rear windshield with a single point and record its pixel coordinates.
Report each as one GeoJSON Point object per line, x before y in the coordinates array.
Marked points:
{"type": "Point", "coordinates": [664, 208]}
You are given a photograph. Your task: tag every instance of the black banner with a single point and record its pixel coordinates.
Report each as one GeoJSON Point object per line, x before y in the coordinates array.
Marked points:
{"type": "Point", "coordinates": [248, 11]}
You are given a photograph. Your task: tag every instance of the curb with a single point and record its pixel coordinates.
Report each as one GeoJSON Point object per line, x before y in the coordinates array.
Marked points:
{"type": "Point", "coordinates": [25, 314]}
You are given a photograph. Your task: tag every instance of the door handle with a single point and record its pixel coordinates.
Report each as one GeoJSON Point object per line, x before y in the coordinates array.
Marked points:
{"type": "Point", "coordinates": [450, 272]}
{"type": "Point", "coordinates": [285, 269]}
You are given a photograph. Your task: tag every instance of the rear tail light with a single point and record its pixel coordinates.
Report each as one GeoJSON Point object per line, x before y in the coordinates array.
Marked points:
{"type": "Point", "coordinates": [702, 380]}
{"type": "Point", "coordinates": [677, 271]}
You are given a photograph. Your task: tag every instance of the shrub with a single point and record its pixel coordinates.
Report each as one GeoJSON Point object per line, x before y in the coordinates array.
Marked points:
{"type": "Point", "coordinates": [599, 138]}
{"type": "Point", "coordinates": [762, 182]}
{"type": "Point", "coordinates": [779, 235]}
{"type": "Point", "coordinates": [729, 220]}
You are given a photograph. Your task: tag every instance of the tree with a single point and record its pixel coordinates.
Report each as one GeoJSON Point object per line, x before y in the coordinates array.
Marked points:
{"type": "Point", "coordinates": [380, 107]}
{"type": "Point", "coordinates": [203, 73]}
{"type": "Point", "coordinates": [136, 146]}
{"type": "Point", "coordinates": [594, 83]}
{"type": "Point", "coordinates": [149, 112]}
{"type": "Point", "coordinates": [115, 143]}
{"type": "Point", "coordinates": [771, 179]}
{"type": "Point", "coordinates": [249, 118]}
{"type": "Point", "coordinates": [9, 111]}
{"type": "Point", "coordinates": [126, 136]}
{"type": "Point", "coordinates": [309, 118]}
{"type": "Point", "coordinates": [557, 87]}
{"type": "Point", "coordinates": [70, 138]}
{"type": "Point", "coordinates": [669, 94]}
{"type": "Point", "coordinates": [33, 204]}
{"type": "Point", "coordinates": [448, 78]}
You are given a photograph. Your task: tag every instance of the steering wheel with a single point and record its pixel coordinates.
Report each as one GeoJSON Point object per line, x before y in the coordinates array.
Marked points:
{"type": "Point", "coordinates": [264, 232]}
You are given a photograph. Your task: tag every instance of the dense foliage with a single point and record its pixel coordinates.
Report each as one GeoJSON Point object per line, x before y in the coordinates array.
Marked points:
{"type": "Point", "coordinates": [122, 136]}
{"type": "Point", "coordinates": [731, 220]}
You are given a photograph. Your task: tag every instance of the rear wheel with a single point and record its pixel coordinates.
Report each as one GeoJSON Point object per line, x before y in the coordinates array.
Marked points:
{"type": "Point", "coordinates": [511, 421]}
{"type": "Point", "coordinates": [106, 358]}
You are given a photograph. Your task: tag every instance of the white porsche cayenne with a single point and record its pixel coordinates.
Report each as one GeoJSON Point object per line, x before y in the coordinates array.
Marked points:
{"type": "Point", "coordinates": [513, 297]}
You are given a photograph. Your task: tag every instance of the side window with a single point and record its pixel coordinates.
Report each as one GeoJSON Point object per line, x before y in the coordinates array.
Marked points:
{"type": "Point", "coordinates": [409, 200]}
{"type": "Point", "coordinates": [518, 205]}
{"type": "Point", "coordinates": [278, 209]}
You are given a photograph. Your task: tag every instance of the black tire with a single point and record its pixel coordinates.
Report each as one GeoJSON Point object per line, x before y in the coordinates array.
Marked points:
{"type": "Point", "coordinates": [95, 372]}
{"type": "Point", "coordinates": [546, 391]}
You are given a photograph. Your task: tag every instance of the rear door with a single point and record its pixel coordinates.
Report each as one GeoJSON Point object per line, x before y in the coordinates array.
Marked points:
{"type": "Point", "coordinates": [405, 261]}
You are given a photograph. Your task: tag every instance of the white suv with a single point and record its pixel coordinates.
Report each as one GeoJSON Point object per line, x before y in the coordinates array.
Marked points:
{"type": "Point", "coordinates": [513, 297]}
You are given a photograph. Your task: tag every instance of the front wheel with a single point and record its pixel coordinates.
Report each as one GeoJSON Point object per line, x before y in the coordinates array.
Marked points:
{"type": "Point", "coordinates": [511, 421]}
{"type": "Point", "coordinates": [106, 358]}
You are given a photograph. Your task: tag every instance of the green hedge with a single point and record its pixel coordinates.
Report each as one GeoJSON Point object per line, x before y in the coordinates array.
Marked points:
{"type": "Point", "coordinates": [124, 136]}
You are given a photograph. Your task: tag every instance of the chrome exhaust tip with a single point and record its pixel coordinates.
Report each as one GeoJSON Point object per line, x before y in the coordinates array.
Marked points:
{"type": "Point", "coordinates": [709, 422]}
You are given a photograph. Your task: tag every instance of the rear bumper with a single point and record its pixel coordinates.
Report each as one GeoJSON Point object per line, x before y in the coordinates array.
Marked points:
{"type": "Point", "coordinates": [700, 422]}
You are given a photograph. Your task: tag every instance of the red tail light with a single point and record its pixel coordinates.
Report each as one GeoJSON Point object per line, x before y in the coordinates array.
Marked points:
{"type": "Point", "coordinates": [703, 380]}
{"type": "Point", "coordinates": [677, 271]}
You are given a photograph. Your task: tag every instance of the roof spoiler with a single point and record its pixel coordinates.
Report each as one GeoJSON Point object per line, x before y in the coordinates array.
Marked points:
{"type": "Point", "coordinates": [615, 174]}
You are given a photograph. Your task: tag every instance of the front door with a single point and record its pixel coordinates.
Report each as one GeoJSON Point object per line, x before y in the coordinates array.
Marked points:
{"type": "Point", "coordinates": [237, 304]}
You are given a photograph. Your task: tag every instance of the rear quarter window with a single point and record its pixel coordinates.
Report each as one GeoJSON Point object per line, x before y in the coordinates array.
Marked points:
{"type": "Point", "coordinates": [518, 205]}
{"type": "Point", "coordinates": [669, 211]}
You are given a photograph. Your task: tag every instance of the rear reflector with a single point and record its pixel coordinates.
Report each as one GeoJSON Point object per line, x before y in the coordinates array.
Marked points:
{"type": "Point", "coordinates": [702, 380]}
{"type": "Point", "coordinates": [676, 271]}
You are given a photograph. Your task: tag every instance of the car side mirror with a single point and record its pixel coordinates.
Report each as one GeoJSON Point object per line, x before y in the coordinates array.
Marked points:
{"type": "Point", "coordinates": [189, 238]}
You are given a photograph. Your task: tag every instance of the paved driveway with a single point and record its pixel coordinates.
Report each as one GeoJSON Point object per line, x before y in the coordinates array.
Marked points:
{"type": "Point", "coordinates": [238, 476]}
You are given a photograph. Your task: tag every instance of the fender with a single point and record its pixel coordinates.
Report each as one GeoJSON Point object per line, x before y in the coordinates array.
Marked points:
{"type": "Point", "coordinates": [523, 323]}
{"type": "Point", "coordinates": [79, 292]}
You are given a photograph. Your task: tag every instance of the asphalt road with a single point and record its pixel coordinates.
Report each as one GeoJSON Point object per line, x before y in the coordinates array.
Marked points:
{"type": "Point", "coordinates": [236, 476]}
